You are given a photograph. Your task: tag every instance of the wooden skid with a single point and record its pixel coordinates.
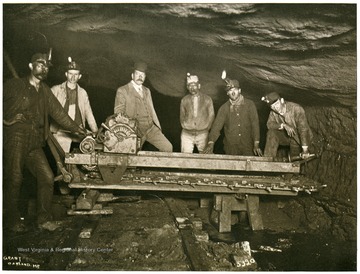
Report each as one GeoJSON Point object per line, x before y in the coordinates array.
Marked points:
{"type": "Point", "coordinates": [184, 161]}
{"type": "Point", "coordinates": [103, 211]}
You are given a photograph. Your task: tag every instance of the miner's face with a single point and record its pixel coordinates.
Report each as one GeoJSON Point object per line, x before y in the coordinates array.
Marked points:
{"type": "Point", "coordinates": [277, 106]}
{"type": "Point", "coordinates": [73, 76]}
{"type": "Point", "coordinates": [40, 70]}
{"type": "Point", "coordinates": [234, 93]}
{"type": "Point", "coordinates": [194, 88]}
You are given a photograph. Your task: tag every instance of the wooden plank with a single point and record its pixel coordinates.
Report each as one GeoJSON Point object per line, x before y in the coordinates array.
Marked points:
{"type": "Point", "coordinates": [210, 164]}
{"type": "Point", "coordinates": [104, 211]}
{"type": "Point", "coordinates": [203, 156]}
{"type": "Point", "coordinates": [184, 162]}
{"type": "Point", "coordinates": [176, 209]}
{"type": "Point", "coordinates": [224, 217]}
{"type": "Point", "coordinates": [196, 255]}
{"type": "Point", "coordinates": [254, 213]}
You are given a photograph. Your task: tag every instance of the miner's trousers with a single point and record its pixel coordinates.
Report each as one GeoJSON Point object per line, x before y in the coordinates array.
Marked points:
{"type": "Point", "coordinates": [275, 138]}
{"type": "Point", "coordinates": [22, 149]}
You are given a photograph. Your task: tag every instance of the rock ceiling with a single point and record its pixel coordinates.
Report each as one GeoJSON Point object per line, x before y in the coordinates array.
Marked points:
{"type": "Point", "coordinates": [305, 51]}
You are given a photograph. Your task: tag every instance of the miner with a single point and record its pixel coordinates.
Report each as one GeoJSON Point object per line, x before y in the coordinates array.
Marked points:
{"type": "Point", "coordinates": [287, 126]}
{"type": "Point", "coordinates": [196, 116]}
{"type": "Point", "coordinates": [28, 103]}
{"type": "Point", "coordinates": [75, 101]}
{"type": "Point", "coordinates": [239, 119]}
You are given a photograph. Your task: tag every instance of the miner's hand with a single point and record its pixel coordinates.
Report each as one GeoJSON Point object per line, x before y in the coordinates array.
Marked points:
{"type": "Point", "coordinates": [305, 153]}
{"type": "Point", "coordinates": [257, 151]}
{"type": "Point", "coordinates": [81, 132]}
{"type": "Point", "coordinates": [19, 118]}
{"type": "Point", "coordinates": [289, 130]}
{"type": "Point", "coordinates": [209, 149]}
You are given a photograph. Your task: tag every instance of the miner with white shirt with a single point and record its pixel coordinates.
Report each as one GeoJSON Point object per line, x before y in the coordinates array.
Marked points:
{"type": "Point", "coordinates": [196, 116]}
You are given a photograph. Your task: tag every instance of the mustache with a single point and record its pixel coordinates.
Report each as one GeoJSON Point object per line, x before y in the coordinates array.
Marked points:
{"type": "Point", "coordinates": [41, 75]}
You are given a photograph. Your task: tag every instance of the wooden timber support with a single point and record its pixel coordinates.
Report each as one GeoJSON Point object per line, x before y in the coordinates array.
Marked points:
{"type": "Point", "coordinates": [226, 203]}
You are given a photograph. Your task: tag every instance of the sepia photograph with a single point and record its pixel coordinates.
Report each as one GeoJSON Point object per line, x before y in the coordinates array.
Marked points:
{"type": "Point", "coordinates": [179, 136]}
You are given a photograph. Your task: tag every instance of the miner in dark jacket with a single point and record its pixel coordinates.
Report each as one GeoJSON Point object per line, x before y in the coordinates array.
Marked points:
{"type": "Point", "coordinates": [27, 105]}
{"type": "Point", "coordinates": [239, 118]}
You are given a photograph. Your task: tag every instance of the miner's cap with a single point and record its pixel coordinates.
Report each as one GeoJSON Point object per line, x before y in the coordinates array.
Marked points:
{"type": "Point", "coordinates": [271, 98]}
{"type": "Point", "coordinates": [72, 65]}
{"type": "Point", "coordinates": [140, 66]}
{"type": "Point", "coordinates": [192, 79]}
{"type": "Point", "coordinates": [232, 84]}
{"type": "Point", "coordinates": [42, 58]}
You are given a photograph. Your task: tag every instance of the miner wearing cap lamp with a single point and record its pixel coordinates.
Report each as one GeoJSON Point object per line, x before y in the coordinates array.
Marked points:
{"type": "Point", "coordinates": [287, 126]}
{"type": "Point", "coordinates": [28, 104]}
{"type": "Point", "coordinates": [75, 101]}
{"type": "Point", "coordinates": [239, 119]}
{"type": "Point", "coordinates": [196, 116]}
{"type": "Point", "coordinates": [135, 101]}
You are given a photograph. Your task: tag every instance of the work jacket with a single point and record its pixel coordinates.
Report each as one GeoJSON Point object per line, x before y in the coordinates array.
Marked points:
{"type": "Point", "coordinates": [205, 113]}
{"type": "Point", "coordinates": [240, 123]}
{"type": "Point", "coordinates": [83, 103]}
{"type": "Point", "coordinates": [15, 99]}
{"type": "Point", "coordinates": [294, 117]}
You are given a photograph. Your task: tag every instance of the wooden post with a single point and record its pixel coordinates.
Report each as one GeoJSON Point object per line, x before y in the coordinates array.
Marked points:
{"type": "Point", "coordinates": [204, 202]}
{"type": "Point", "coordinates": [225, 204]}
{"type": "Point", "coordinates": [254, 215]}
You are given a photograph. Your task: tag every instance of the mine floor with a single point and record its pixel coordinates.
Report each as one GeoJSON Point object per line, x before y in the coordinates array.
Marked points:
{"type": "Point", "coordinates": [163, 233]}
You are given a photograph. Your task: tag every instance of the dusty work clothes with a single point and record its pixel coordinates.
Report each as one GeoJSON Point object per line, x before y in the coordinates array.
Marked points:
{"type": "Point", "coordinates": [294, 117]}
{"type": "Point", "coordinates": [23, 145]}
{"type": "Point", "coordinates": [129, 102]}
{"type": "Point", "coordinates": [196, 117]}
{"type": "Point", "coordinates": [78, 108]}
{"type": "Point", "coordinates": [241, 127]}
{"type": "Point", "coordinates": [191, 139]}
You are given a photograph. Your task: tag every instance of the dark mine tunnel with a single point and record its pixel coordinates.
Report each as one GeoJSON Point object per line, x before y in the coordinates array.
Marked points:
{"type": "Point", "coordinates": [305, 52]}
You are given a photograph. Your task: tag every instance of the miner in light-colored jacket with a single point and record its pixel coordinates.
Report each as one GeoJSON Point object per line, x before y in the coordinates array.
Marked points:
{"type": "Point", "coordinates": [196, 116]}
{"type": "Point", "coordinates": [75, 100]}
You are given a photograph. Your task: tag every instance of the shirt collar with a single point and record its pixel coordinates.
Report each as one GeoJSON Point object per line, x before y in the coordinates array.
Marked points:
{"type": "Point", "coordinates": [136, 86]}
{"type": "Point", "coordinates": [237, 102]}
